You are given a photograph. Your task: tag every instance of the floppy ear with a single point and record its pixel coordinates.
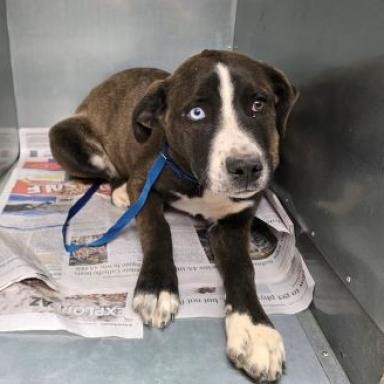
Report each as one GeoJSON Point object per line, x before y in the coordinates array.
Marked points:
{"type": "Point", "coordinates": [286, 96]}
{"type": "Point", "coordinates": [146, 115]}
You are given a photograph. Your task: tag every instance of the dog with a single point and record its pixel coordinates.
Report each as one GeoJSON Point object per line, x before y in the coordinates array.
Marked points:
{"type": "Point", "coordinates": [221, 114]}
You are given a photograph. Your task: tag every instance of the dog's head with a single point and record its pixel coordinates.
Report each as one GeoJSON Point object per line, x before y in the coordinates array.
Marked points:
{"type": "Point", "coordinates": [224, 114]}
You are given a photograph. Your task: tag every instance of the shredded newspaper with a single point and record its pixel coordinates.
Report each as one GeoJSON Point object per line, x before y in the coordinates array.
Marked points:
{"type": "Point", "coordinates": [89, 292]}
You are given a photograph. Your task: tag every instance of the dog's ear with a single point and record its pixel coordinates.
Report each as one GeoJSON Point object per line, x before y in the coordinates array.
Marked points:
{"type": "Point", "coordinates": [147, 113]}
{"type": "Point", "coordinates": [286, 96]}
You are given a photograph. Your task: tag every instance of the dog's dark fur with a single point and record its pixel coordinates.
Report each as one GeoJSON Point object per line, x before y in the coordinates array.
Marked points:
{"type": "Point", "coordinates": [124, 123]}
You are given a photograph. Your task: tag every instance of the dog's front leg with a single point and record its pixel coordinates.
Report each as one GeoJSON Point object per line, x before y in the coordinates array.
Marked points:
{"type": "Point", "coordinates": [252, 342]}
{"type": "Point", "coordinates": [156, 297]}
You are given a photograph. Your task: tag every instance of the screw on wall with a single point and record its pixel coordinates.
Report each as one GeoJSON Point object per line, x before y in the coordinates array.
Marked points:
{"type": "Point", "coordinates": [325, 353]}
{"type": "Point", "coordinates": [348, 279]}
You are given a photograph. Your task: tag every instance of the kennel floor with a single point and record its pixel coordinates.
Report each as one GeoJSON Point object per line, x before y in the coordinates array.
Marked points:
{"type": "Point", "coordinates": [189, 351]}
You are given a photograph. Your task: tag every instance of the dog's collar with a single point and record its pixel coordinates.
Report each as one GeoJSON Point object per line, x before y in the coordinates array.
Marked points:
{"type": "Point", "coordinates": [178, 171]}
{"type": "Point", "coordinates": [133, 210]}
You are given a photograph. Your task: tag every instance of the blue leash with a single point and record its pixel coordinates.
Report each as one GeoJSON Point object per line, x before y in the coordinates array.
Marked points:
{"type": "Point", "coordinates": [157, 167]}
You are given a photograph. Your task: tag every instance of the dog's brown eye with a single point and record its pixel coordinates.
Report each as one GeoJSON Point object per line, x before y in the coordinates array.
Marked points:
{"type": "Point", "coordinates": [257, 106]}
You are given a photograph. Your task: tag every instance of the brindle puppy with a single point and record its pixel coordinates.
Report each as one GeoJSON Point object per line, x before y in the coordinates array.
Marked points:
{"type": "Point", "coordinates": [222, 115]}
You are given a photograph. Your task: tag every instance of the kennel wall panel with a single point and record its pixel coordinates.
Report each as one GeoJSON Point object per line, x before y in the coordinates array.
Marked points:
{"type": "Point", "coordinates": [61, 49]}
{"type": "Point", "coordinates": [9, 145]}
{"type": "Point", "coordinates": [332, 160]}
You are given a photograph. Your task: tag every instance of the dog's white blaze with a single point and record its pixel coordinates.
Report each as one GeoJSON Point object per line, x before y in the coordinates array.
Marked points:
{"type": "Point", "coordinates": [212, 206]}
{"type": "Point", "coordinates": [230, 139]}
{"type": "Point", "coordinates": [256, 348]}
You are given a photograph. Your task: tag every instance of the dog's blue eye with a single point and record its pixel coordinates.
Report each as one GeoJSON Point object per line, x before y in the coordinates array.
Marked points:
{"type": "Point", "coordinates": [196, 114]}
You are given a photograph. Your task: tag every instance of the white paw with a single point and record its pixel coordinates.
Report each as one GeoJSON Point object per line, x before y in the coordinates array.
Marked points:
{"type": "Point", "coordinates": [257, 349]}
{"type": "Point", "coordinates": [156, 311]}
{"type": "Point", "coordinates": [120, 196]}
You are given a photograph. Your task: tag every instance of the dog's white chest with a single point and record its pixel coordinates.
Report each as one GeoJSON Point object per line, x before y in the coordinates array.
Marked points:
{"type": "Point", "coordinates": [212, 206]}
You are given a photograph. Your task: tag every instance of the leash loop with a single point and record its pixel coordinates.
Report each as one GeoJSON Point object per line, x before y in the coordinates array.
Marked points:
{"type": "Point", "coordinates": [132, 211]}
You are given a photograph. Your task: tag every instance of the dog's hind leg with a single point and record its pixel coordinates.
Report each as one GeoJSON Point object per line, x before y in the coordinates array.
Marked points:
{"type": "Point", "coordinates": [78, 151]}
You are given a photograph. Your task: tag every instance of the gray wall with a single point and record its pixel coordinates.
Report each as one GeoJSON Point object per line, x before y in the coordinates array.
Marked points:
{"type": "Point", "coordinates": [8, 120]}
{"type": "Point", "coordinates": [60, 49]}
{"type": "Point", "coordinates": [333, 155]}
{"type": "Point", "coordinates": [305, 37]}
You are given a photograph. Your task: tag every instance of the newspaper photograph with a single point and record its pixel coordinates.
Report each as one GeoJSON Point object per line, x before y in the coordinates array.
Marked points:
{"type": "Point", "coordinates": [35, 268]}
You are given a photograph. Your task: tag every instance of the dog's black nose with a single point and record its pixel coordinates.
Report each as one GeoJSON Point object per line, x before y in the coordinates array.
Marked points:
{"type": "Point", "coordinates": [247, 168]}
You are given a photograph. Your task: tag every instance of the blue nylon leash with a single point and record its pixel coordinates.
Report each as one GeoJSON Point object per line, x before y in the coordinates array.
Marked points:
{"type": "Point", "coordinates": [154, 172]}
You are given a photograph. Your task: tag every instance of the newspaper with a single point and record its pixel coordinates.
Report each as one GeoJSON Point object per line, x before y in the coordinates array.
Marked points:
{"type": "Point", "coordinates": [89, 292]}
